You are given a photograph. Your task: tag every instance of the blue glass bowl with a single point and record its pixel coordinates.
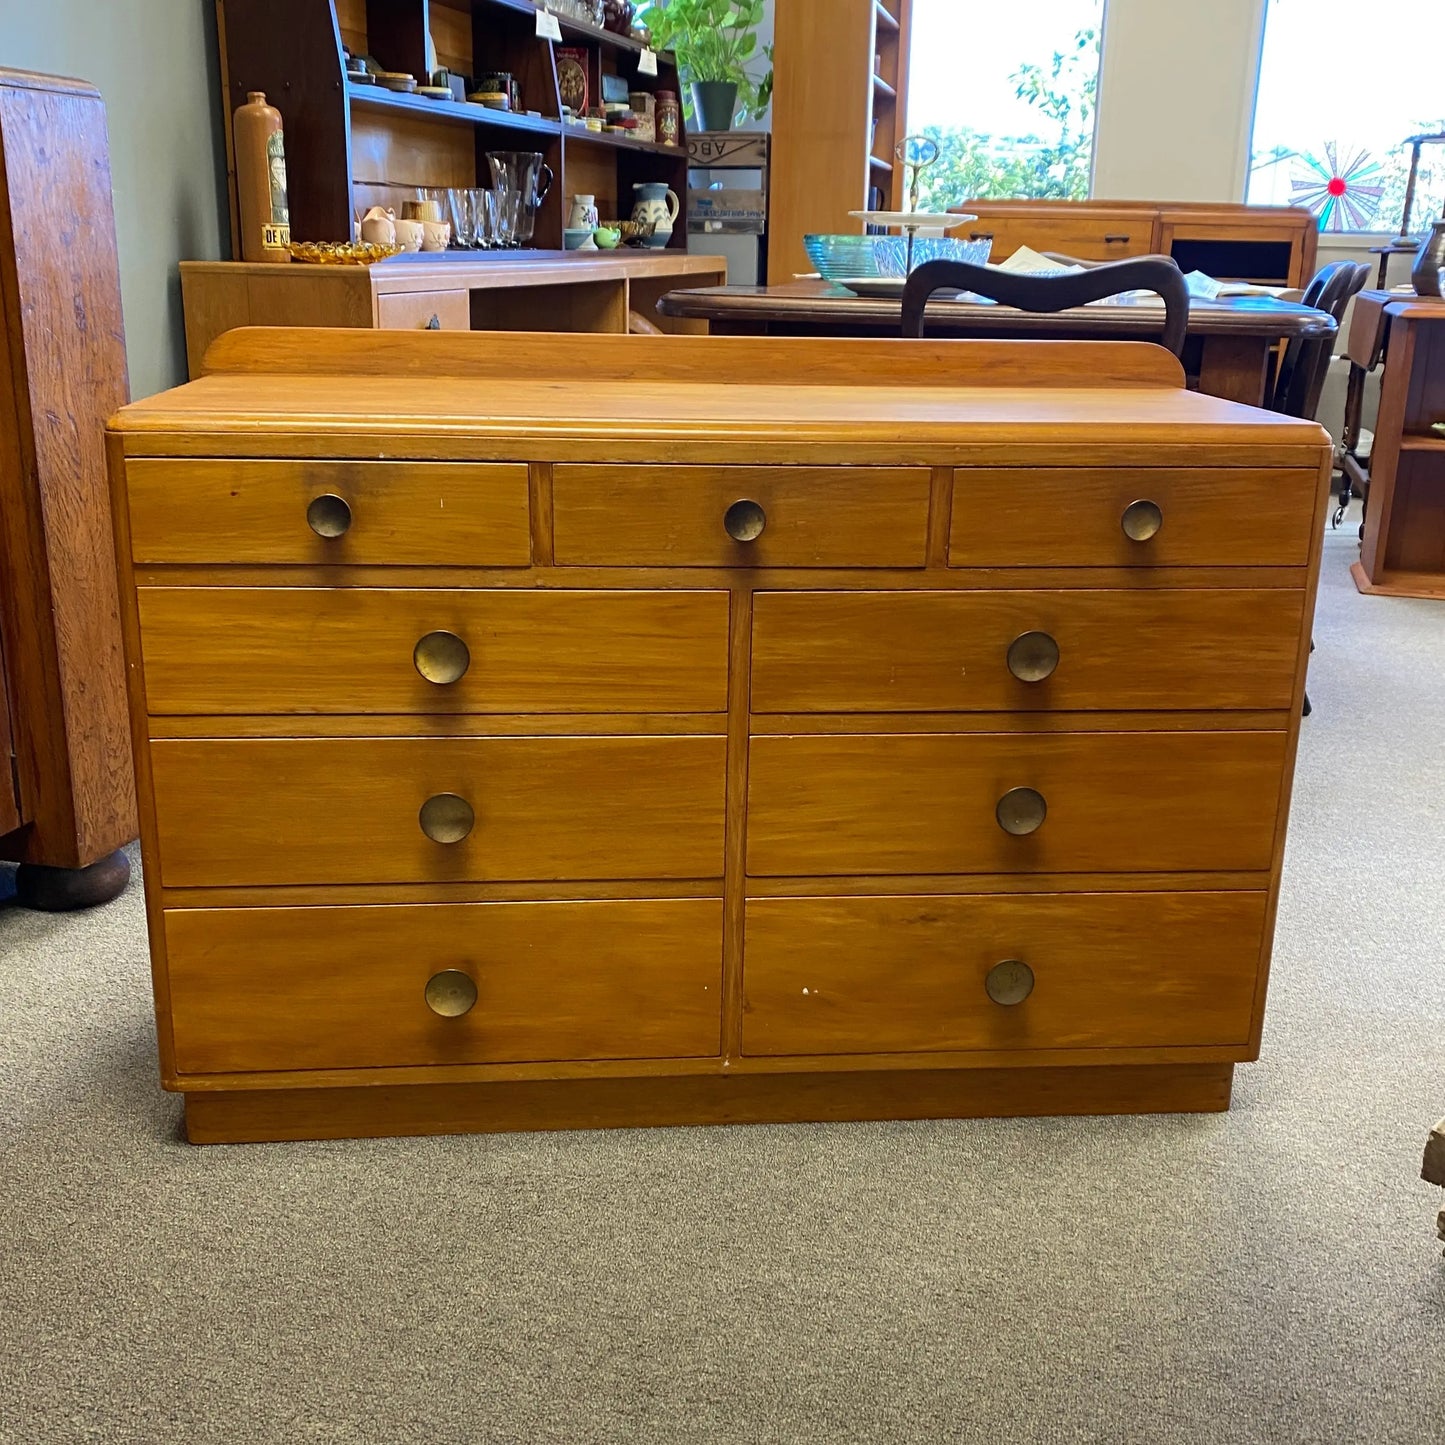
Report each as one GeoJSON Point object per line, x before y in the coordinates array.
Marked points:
{"type": "Point", "coordinates": [840, 258]}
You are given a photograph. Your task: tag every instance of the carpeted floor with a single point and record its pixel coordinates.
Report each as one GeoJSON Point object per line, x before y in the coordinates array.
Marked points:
{"type": "Point", "coordinates": [1267, 1275]}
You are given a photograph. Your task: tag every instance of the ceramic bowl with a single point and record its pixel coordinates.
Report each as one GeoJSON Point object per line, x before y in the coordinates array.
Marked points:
{"type": "Point", "coordinates": [843, 257]}
{"type": "Point", "coordinates": [575, 237]}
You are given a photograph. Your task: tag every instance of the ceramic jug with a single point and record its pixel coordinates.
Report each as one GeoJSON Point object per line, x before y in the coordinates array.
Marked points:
{"type": "Point", "coordinates": [583, 215]}
{"type": "Point", "coordinates": [659, 205]}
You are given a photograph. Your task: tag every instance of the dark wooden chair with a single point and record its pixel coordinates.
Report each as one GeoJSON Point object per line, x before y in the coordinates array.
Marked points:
{"type": "Point", "coordinates": [1054, 293]}
{"type": "Point", "coordinates": [1300, 380]}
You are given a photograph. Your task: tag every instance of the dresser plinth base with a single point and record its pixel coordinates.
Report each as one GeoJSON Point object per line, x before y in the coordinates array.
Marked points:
{"type": "Point", "coordinates": [381, 1111]}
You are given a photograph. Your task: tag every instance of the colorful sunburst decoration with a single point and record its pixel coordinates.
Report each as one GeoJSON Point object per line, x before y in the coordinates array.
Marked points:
{"type": "Point", "coordinates": [1345, 195]}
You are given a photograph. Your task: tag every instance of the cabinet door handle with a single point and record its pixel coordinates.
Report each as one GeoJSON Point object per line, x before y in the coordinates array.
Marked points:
{"type": "Point", "coordinates": [1141, 520]}
{"type": "Point", "coordinates": [1115, 239]}
{"type": "Point", "coordinates": [435, 324]}
{"type": "Point", "coordinates": [1033, 656]}
{"type": "Point", "coordinates": [744, 521]}
{"type": "Point", "coordinates": [451, 993]}
{"type": "Point", "coordinates": [328, 515]}
{"type": "Point", "coordinates": [1021, 811]}
{"type": "Point", "coordinates": [1009, 983]}
{"type": "Point", "coordinates": [446, 818]}
{"type": "Point", "coordinates": [442, 657]}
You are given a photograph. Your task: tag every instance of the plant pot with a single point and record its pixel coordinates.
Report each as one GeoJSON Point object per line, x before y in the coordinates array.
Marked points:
{"type": "Point", "coordinates": [1428, 262]}
{"type": "Point", "coordinates": [715, 103]}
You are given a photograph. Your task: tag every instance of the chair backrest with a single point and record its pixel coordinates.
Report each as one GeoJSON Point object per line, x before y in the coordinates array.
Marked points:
{"type": "Point", "coordinates": [1159, 274]}
{"type": "Point", "coordinates": [1300, 381]}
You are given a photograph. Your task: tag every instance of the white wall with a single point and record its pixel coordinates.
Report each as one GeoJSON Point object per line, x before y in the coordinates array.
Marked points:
{"type": "Point", "coordinates": [1176, 99]}
{"type": "Point", "coordinates": [155, 63]}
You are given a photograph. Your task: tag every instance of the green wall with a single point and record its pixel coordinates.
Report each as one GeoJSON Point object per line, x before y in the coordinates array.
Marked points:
{"type": "Point", "coordinates": [155, 63]}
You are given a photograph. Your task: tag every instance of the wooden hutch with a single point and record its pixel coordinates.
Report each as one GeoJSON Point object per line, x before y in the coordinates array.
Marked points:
{"type": "Point", "coordinates": [350, 147]}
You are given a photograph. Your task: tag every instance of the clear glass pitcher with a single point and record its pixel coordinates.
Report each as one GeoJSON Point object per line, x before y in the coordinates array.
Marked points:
{"type": "Point", "coordinates": [527, 176]}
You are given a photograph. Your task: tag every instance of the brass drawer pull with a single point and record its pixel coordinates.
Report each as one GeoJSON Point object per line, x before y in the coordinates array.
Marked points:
{"type": "Point", "coordinates": [451, 993]}
{"type": "Point", "coordinates": [446, 818]}
{"type": "Point", "coordinates": [745, 521]}
{"type": "Point", "coordinates": [442, 657]}
{"type": "Point", "coordinates": [1033, 656]}
{"type": "Point", "coordinates": [1021, 811]}
{"type": "Point", "coordinates": [1008, 983]}
{"type": "Point", "coordinates": [1142, 520]}
{"type": "Point", "coordinates": [328, 515]}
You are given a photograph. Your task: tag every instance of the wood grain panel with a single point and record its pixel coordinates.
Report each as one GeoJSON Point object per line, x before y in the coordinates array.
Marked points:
{"type": "Point", "coordinates": [947, 651]}
{"type": "Point", "coordinates": [399, 150]}
{"type": "Point", "coordinates": [342, 987]}
{"type": "Point", "coordinates": [1087, 237]}
{"type": "Point", "coordinates": [346, 810]}
{"type": "Point", "coordinates": [1117, 802]}
{"type": "Point", "coordinates": [403, 513]}
{"type": "Point", "coordinates": [303, 649]}
{"type": "Point", "coordinates": [1118, 970]}
{"type": "Point", "coordinates": [616, 516]}
{"type": "Point", "coordinates": [1071, 517]}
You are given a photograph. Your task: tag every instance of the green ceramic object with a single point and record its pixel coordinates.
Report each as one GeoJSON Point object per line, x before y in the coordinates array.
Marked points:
{"type": "Point", "coordinates": [607, 239]}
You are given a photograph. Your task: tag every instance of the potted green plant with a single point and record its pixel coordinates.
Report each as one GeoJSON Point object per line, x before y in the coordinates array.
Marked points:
{"type": "Point", "coordinates": [715, 41]}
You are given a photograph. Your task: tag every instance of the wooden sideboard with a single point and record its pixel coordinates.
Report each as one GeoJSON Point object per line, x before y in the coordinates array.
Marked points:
{"type": "Point", "coordinates": [769, 729]}
{"type": "Point", "coordinates": [67, 798]}
{"type": "Point", "coordinates": [1270, 245]}
{"type": "Point", "coordinates": [1402, 552]}
{"type": "Point", "coordinates": [452, 291]}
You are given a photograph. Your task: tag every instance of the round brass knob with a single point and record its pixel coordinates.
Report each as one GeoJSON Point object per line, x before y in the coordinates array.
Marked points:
{"type": "Point", "coordinates": [1009, 983]}
{"type": "Point", "coordinates": [745, 521]}
{"type": "Point", "coordinates": [1021, 811]}
{"type": "Point", "coordinates": [328, 515]}
{"type": "Point", "coordinates": [1033, 656]}
{"type": "Point", "coordinates": [446, 818]}
{"type": "Point", "coordinates": [442, 657]}
{"type": "Point", "coordinates": [1141, 520]}
{"type": "Point", "coordinates": [451, 993]}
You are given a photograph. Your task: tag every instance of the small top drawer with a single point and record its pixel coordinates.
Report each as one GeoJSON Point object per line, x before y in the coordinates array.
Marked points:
{"type": "Point", "coordinates": [1131, 517]}
{"type": "Point", "coordinates": [459, 514]}
{"type": "Point", "coordinates": [1090, 238]}
{"type": "Point", "coordinates": [638, 516]}
{"type": "Point", "coordinates": [424, 311]}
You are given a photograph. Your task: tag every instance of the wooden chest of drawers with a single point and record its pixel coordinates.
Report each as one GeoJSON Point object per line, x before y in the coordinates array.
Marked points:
{"type": "Point", "coordinates": [778, 730]}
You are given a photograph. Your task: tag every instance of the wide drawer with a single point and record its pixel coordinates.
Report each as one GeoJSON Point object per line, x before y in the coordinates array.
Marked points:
{"type": "Point", "coordinates": [1083, 517]}
{"type": "Point", "coordinates": [389, 650]}
{"type": "Point", "coordinates": [1112, 802]}
{"type": "Point", "coordinates": [993, 651]}
{"type": "Point", "coordinates": [358, 810]}
{"type": "Point", "coordinates": [460, 514]}
{"type": "Point", "coordinates": [621, 516]}
{"type": "Point", "coordinates": [320, 988]}
{"type": "Point", "coordinates": [1101, 970]}
{"type": "Point", "coordinates": [1089, 238]}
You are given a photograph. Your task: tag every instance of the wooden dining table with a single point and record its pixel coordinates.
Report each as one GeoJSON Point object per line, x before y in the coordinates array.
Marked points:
{"type": "Point", "coordinates": [1229, 349]}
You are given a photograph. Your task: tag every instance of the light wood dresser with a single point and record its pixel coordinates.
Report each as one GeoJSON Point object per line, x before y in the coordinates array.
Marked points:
{"type": "Point", "coordinates": [769, 730]}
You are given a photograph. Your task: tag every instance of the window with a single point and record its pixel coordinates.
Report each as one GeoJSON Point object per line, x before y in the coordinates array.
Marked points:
{"type": "Point", "coordinates": [1340, 89]}
{"type": "Point", "coordinates": [1010, 103]}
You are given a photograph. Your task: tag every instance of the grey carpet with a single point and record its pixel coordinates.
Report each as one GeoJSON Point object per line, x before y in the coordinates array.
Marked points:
{"type": "Point", "coordinates": [1266, 1275]}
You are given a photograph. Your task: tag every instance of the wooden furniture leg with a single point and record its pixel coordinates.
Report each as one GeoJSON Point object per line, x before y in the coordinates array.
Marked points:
{"type": "Point", "coordinates": [62, 890]}
{"type": "Point", "coordinates": [1433, 1169]}
{"type": "Point", "coordinates": [1235, 367]}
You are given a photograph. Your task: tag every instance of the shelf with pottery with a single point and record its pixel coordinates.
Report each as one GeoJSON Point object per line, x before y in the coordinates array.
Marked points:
{"type": "Point", "coordinates": [352, 144]}
{"type": "Point", "coordinates": [608, 292]}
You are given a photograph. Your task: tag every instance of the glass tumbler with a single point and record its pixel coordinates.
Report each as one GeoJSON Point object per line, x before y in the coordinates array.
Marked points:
{"type": "Point", "coordinates": [463, 217]}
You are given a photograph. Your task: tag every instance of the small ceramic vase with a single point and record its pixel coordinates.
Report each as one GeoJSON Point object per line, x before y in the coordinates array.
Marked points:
{"type": "Point", "coordinates": [658, 206]}
{"type": "Point", "coordinates": [378, 226]}
{"type": "Point", "coordinates": [583, 215]}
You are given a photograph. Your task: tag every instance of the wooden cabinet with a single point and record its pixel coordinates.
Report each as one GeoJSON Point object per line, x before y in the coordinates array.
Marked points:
{"type": "Point", "coordinates": [810, 740]}
{"type": "Point", "coordinates": [840, 107]}
{"type": "Point", "coordinates": [1268, 245]}
{"type": "Point", "coordinates": [67, 796]}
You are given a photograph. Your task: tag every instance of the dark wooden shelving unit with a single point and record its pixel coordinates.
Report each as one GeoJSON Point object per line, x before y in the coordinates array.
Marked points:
{"type": "Point", "coordinates": [349, 147]}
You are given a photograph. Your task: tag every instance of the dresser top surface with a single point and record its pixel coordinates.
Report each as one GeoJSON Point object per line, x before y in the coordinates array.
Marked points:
{"type": "Point", "coordinates": [661, 389]}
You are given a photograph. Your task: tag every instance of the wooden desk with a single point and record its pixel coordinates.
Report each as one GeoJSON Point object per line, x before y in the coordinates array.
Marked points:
{"type": "Point", "coordinates": [590, 291]}
{"type": "Point", "coordinates": [1229, 347]}
{"type": "Point", "coordinates": [762, 730]}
